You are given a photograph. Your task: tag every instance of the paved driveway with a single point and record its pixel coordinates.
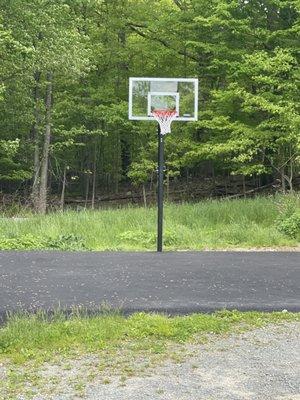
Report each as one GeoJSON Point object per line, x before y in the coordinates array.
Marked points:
{"type": "Point", "coordinates": [173, 282]}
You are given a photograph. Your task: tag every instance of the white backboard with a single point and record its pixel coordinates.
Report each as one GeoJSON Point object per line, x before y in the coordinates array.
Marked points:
{"type": "Point", "coordinates": [148, 94]}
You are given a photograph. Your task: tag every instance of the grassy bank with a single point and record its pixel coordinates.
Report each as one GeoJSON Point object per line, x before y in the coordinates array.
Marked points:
{"type": "Point", "coordinates": [212, 224]}
{"type": "Point", "coordinates": [39, 338]}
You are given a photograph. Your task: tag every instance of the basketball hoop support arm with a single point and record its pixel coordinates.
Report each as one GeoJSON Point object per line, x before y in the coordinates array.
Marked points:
{"type": "Point", "coordinates": [160, 191]}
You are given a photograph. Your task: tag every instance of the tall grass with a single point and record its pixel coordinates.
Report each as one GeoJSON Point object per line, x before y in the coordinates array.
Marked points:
{"type": "Point", "coordinates": [211, 224]}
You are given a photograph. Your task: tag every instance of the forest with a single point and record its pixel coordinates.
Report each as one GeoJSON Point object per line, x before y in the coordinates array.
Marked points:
{"type": "Point", "coordinates": [65, 137]}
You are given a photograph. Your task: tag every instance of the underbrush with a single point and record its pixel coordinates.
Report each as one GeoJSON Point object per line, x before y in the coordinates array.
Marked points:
{"type": "Point", "coordinates": [262, 222]}
{"type": "Point", "coordinates": [288, 221]}
{"type": "Point", "coordinates": [30, 242]}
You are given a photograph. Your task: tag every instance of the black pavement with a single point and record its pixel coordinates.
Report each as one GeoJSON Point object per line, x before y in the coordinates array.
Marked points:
{"type": "Point", "coordinates": [172, 282]}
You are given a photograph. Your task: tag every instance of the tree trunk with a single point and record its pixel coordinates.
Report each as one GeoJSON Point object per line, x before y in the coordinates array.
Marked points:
{"type": "Point", "coordinates": [87, 187]}
{"type": "Point", "coordinates": [144, 196]}
{"type": "Point", "coordinates": [291, 174]}
{"type": "Point", "coordinates": [94, 176]}
{"type": "Point", "coordinates": [151, 182]}
{"type": "Point", "coordinates": [35, 132]}
{"type": "Point", "coordinates": [46, 148]}
{"type": "Point", "coordinates": [63, 190]}
{"type": "Point", "coordinates": [282, 173]}
{"type": "Point", "coordinates": [213, 175]}
{"type": "Point", "coordinates": [244, 186]}
{"type": "Point", "coordinates": [116, 170]}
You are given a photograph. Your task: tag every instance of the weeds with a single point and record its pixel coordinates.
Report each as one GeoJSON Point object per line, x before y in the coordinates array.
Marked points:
{"type": "Point", "coordinates": [42, 354]}
{"type": "Point", "coordinates": [211, 224]}
{"type": "Point", "coordinates": [40, 337]}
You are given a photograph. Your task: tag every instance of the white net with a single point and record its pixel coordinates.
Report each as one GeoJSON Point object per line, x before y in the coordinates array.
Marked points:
{"type": "Point", "coordinates": [164, 118]}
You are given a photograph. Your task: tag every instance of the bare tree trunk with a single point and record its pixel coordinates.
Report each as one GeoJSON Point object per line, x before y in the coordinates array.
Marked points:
{"type": "Point", "coordinates": [151, 182]}
{"type": "Point", "coordinates": [244, 186]}
{"type": "Point", "coordinates": [35, 131]}
{"type": "Point", "coordinates": [291, 175]}
{"type": "Point", "coordinates": [117, 164]}
{"type": "Point", "coordinates": [213, 175]}
{"type": "Point", "coordinates": [287, 179]}
{"type": "Point", "coordinates": [282, 177]}
{"type": "Point", "coordinates": [94, 176]}
{"type": "Point", "coordinates": [46, 148]}
{"type": "Point", "coordinates": [87, 187]}
{"type": "Point", "coordinates": [63, 190]}
{"type": "Point", "coordinates": [144, 195]}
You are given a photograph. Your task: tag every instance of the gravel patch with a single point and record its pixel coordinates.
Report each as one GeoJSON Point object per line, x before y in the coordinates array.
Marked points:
{"type": "Point", "coordinates": [262, 364]}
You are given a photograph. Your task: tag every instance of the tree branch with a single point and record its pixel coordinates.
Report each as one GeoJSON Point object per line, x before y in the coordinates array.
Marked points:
{"type": "Point", "coordinates": [184, 53]}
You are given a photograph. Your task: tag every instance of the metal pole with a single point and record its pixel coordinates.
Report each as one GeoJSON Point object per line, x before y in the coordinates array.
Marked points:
{"type": "Point", "coordinates": [160, 192]}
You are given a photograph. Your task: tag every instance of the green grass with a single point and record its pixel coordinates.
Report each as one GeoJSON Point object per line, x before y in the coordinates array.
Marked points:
{"type": "Point", "coordinates": [78, 349]}
{"type": "Point", "coordinates": [38, 338]}
{"type": "Point", "coordinates": [211, 224]}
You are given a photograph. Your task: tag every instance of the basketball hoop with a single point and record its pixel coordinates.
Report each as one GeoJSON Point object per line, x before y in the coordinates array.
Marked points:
{"type": "Point", "coordinates": [163, 100]}
{"type": "Point", "coordinates": [164, 118]}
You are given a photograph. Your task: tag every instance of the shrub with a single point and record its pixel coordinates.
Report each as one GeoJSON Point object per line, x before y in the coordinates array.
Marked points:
{"type": "Point", "coordinates": [290, 225]}
{"type": "Point", "coordinates": [287, 205]}
{"type": "Point", "coordinates": [26, 242]}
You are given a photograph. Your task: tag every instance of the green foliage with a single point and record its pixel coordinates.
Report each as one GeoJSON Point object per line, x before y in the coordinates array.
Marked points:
{"type": "Point", "coordinates": [9, 168]}
{"type": "Point", "coordinates": [140, 171]}
{"type": "Point", "coordinates": [245, 54]}
{"type": "Point", "coordinates": [138, 237]}
{"type": "Point", "coordinates": [24, 242]}
{"type": "Point", "coordinates": [288, 220]}
{"type": "Point", "coordinates": [31, 242]}
{"type": "Point", "coordinates": [287, 205]}
{"type": "Point", "coordinates": [148, 239]}
{"type": "Point", "coordinates": [66, 242]}
{"type": "Point", "coordinates": [259, 111]}
{"type": "Point", "coordinates": [290, 225]}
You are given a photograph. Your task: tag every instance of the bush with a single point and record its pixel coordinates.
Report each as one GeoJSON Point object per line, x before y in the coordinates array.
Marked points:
{"type": "Point", "coordinates": [290, 225]}
{"type": "Point", "coordinates": [26, 242]}
{"type": "Point", "coordinates": [287, 205]}
{"type": "Point", "coordinates": [288, 221]}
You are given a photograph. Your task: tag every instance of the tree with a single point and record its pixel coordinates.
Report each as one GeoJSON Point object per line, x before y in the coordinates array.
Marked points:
{"type": "Point", "coordinates": [12, 54]}
{"type": "Point", "coordinates": [252, 120]}
{"type": "Point", "coordinates": [59, 51]}
{"type": "Point", "coordinates": [64, 75]}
